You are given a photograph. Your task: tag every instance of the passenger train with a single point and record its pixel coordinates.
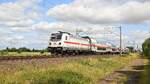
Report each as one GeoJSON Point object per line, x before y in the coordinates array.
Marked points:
{"type": "Point", "coordinates": [62, 43]}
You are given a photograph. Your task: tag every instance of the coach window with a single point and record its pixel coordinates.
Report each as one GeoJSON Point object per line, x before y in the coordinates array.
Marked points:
{"type": "Point", "coordinates": [66, 38]}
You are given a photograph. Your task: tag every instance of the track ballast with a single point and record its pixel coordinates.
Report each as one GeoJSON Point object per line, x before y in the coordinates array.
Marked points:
{"type": "Point", "coordinates": [15, 58]}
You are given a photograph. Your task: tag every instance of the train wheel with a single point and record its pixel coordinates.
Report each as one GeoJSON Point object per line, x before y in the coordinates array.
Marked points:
{"type": "Point", "coordinates": [74, 53]}
{"type": "Point", "coordinates": [54, 54]}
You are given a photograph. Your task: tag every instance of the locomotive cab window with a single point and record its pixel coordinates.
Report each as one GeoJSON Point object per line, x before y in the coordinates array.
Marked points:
{"type": "Point", "coordinates": [59, 36]}
{"type": "Point", "coordinates": [56, 37]}
{"type": "Point", "coordinates": [52, 38]}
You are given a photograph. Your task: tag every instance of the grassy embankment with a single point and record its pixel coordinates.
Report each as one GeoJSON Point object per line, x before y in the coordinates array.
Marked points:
{"type": "Point", "coordinates": [146, 74]}
{"type": "Point", "coordinates": [23, 53]}
{"type": "Point", "coordinates": [79, 71]}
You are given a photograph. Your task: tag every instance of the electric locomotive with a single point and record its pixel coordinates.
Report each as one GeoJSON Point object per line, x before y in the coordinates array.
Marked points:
{"type": "Point", "coordinates": [66, 43]}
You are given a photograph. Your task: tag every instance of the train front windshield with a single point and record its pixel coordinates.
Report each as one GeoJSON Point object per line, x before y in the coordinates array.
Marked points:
{"type": "Point", "coordinates": [56, 37]}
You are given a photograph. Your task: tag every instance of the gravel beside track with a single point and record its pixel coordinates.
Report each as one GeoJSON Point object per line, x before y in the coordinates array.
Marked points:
{"type": "Point", "coordinates": [5, 58]}
{"type": "Point", "coordinates": [17, 58]}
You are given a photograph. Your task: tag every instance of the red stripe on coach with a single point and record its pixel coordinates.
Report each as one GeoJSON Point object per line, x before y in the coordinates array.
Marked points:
{"type": "Point", "coordinates": [72, 43]}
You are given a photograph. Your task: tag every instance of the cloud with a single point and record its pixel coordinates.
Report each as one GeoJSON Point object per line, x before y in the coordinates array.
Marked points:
{"type": "Point", "coordinates": [103, 11]}
{"type": "Point", "coordinates": [55, 26]}
{"type": "Point", "coordinates": [92, 30]}
{"type": "Point", "coordinates": [16, 20]}
{"type": "Point", "coordinates": [21, 23]}
{"type": "Point", "coordinates": [139, 35]}
{"type": "Point", "coordinates": [65, 26]}
{"type": "Point", "coordinates": [20, 13]}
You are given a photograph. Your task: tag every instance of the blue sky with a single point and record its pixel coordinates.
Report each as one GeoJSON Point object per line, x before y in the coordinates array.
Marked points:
{"type": "Point", "coordinates": [30, 22]}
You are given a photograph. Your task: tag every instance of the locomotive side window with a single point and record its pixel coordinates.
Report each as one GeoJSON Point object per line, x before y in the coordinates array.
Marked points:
{"type": "Point", "coordinates": [66, 38]}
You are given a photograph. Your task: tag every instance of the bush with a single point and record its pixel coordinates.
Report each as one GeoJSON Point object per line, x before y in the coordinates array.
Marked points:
{"type": "Point", "coordinates": [19, 51]}
{"type": "Point", "coordinates": [146, 48]}
{"type": "Point", "coordinates": [41, 51]}
{"type": "Point", "coordinates": [146, 75]}
{"type": "Point", "coordinates": [3, 53]}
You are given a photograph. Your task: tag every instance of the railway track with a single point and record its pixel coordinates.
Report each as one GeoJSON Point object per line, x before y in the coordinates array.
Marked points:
{"type": "Point", "coordinates": [15, 58]}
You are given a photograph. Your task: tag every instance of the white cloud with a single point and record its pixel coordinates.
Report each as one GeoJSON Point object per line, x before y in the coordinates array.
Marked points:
{"type": "Point", "coordinates": [93, 30]}
{"type": "Point", "coordinates": [20, 23]}
{"type": "Point", "coordinates": [139, 35]}
{"type": "Point", "coordinates": [21, 13]}
{"type": "Point", "coordinates": [55, 26]}
{"type": "Point", "coordinates": [16, 18]}
{"type": "Point", "coordinates": [63, 26]}
{"type": "Point", "coordinates": [103, 11]}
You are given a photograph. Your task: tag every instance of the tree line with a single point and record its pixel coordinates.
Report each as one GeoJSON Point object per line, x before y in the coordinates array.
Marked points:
{"type": "Point", "coordinates": [23, 49]}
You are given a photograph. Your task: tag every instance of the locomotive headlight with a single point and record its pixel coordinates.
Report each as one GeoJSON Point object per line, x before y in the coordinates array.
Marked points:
{"type": "Point", "coordinates": [59, 43]}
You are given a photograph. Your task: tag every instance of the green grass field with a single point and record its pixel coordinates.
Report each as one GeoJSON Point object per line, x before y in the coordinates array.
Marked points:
{"type": "Point", "coordinates": [77, 71]}
{"type": "Point", "coordinates": [23, 53]}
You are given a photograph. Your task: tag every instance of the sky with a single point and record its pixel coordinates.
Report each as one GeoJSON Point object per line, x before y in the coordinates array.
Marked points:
{"type": "Point", "coordinates": [29, 23]}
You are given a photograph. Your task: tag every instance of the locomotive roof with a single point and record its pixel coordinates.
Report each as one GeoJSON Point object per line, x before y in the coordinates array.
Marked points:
{"type": "Point", "coordinates": [65, 32]}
